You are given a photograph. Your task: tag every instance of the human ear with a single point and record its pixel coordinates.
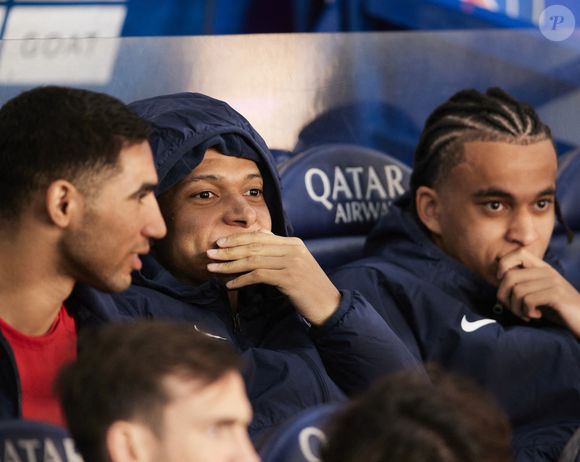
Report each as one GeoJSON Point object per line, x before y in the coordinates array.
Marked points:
{"type": "Point", "coordinates": [61, 201]}
{"type": "Point", "coordinates": [128, 442]}
{"type": "Point", "coordinates": [427, 203]}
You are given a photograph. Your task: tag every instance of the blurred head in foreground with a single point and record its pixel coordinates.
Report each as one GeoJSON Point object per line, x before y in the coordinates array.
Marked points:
{"type": "Point", "coordinates": [156, 391]}
{"type": "Point", "coordinates": [403, 418]}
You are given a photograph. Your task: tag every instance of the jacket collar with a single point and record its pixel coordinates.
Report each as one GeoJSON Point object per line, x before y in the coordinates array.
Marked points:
{"type": "Point", "coordinates": [255, 301]}
{"type": "Point", "coordinates": [154, 276]}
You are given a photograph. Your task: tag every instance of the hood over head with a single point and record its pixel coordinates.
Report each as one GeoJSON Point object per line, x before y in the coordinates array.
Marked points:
{"type": "Point", "coordinates": [185, 125]}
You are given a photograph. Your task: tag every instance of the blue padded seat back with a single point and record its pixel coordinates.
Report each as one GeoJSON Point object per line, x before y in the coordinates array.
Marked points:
{"type": "Point", "coordinates": [28, 441]}
{"type": "Point", "coordinates": [299, 439]}
{"type": "Point", "coordinates": [568, 193]}
{"type": "Point", "coordinates": [569, 188]}
{"type": "Point", "coordinates": [333, 194]}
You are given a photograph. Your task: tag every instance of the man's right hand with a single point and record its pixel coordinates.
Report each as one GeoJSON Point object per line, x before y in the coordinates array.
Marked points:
{"type": "Point", "coordinates": [529, 286]}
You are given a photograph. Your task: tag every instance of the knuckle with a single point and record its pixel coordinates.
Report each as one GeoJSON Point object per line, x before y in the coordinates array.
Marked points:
{"type": "Point", "coordinates": [509, 279]}
{"type": "Point", "coordinates": [527, 306]}
{"type": "Point", "coordinates": [296, 241]}
{"type": "Point", "coordinates": [257, 274]}
{"type": "Point", "coordinates": [560, 293]}
{"type": "Point", "coordinates": [255, 247]}
{"type": "Point", "coordinates": [253, 259]}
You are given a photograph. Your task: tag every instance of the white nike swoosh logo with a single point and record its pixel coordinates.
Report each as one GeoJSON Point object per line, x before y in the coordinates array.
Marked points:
{"type": "Point", "coordinates": [207, 333]}
{"type": "Point", "coordinates": [472, 326]}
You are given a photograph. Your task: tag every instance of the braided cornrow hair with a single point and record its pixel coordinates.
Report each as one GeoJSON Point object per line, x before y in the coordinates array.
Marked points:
{"type": "Point", "coordinates": [470, 115]}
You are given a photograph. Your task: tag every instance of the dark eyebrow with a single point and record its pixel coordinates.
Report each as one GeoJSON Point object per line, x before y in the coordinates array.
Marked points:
{"type": "Point", "coordinates": [492, 192]}
{"type": "Point", "coordinates": [551, 191]}
{"type": "Point", "coordinates": [204, 177]}
{"type": "Point", "coordinates": [145, 188]}
{"type": "Point", "coordinates": [250, 176]}
{"type": "Point", "coordinates": [226, 421]}
{"type": "Point", "coordinates": [496, 192]}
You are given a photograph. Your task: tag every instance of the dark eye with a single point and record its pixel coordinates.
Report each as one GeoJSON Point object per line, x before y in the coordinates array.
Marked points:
{"type": "Point", "coordinates": [255, 192]}
{"type": "Point", "coordinates": [220, 429]}
{"type": "Point", "coordinates": [494, 206]}
{"type": "Point", "coordinates": [142, 195]}
{"type": "Point", "coordinates": [543, 204]}
{"type": "Point", "coordinates": [203, 195]}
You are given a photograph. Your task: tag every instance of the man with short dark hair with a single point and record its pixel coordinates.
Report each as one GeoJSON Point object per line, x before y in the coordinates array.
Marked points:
{"type": "Point", "coordinates": [76, 177]}
{"type": "Point", "coordinates": [156, 391]}
{"type": "Point", "coordinates": [460, 269]}
{"type": "Point", "coordinates": [405, 418]}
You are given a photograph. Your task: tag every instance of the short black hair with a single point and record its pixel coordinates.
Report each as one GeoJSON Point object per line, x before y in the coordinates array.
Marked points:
{"type": "Point", "coordinates": [406, 418]}
{"type": "Point", "coordinates": [51, 133]}
{"type": "Point", "coordinates": [470, 115]}
{"type": "Point", "coordinates": [119, 374]}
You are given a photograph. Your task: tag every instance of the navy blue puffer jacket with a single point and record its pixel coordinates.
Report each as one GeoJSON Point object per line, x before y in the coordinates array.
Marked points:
{"type": "Point", "coordinates": [289, 365]}
{"type": "Point", "coordinates": [447, 314]}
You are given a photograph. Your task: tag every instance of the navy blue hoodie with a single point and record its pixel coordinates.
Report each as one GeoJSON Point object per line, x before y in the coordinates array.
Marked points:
{"type": "Point", "coordinates": [289, 366]}
{"type": "Point", "coordinates": [445, 314]}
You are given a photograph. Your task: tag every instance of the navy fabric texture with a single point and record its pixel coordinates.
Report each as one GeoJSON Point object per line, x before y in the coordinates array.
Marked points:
{"type": "Point", "coordinates": [431, 301]}
{"type": "Point", "coordinates": [289, 366]}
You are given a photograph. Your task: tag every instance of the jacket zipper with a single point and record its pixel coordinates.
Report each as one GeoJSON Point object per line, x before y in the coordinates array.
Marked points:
{"type": "Point", "coordinates": [315, 369]}
{"type": "Point", "coordinates": [236, 321]}
{"type": "Point", "coordinates": [234, 314]}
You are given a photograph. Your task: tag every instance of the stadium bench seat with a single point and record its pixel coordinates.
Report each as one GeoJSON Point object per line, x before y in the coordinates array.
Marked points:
{"type": "Point", "coordinates": [568, 194]}
{"type": "Point", "coordinates": [31, 441]}
{"type": "Point", "coordinates": [300, 438]}
{"type": "Point", "coordinates": [333, 195]}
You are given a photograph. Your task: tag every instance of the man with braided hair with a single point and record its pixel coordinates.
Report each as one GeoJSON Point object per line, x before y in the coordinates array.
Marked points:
{"type": "Point", "coordinates": [460, 266]}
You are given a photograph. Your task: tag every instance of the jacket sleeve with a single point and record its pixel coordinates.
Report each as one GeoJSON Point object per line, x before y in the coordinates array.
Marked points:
{"type": "Point", "coordinates": [388, 298]}
{"type": "Point", "coordinates": [358, 346]}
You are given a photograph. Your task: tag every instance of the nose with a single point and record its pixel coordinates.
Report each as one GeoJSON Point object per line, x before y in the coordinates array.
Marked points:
{"type": "Point", "coordinates": [522, 229]}
{"type": "Point", "coordinates": [154, 226]}
{"type": "Point", "coordinates": [238, 212]}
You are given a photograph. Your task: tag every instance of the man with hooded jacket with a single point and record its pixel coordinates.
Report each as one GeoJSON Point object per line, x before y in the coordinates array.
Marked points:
{"type": "Point", "coordinates": [228, 266]}
{"type": "Point", "coordinates": [460, 269]}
